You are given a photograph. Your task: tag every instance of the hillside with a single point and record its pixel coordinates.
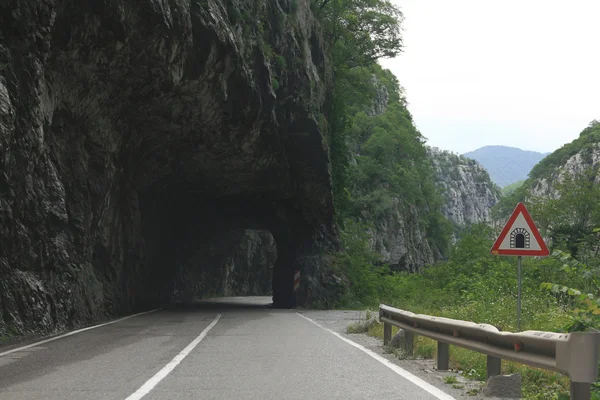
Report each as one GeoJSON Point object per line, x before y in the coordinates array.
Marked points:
{"type": "Point", "coordinates": [390, 181]}
{"type": "Point", "coordinates": [412, 197]}
{"type": "Point", "coordinates": [571, 160]}
{"type": "Point", "coordinates": [505, 164]}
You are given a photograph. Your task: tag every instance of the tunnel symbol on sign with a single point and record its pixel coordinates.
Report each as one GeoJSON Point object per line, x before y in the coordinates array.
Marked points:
{"type": "Point", "coordinates": [519, 239]}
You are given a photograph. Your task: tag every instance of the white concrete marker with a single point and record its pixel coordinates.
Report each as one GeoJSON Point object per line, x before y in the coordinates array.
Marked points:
{"type": "Point", "coordinates": [162, 374]}
{"type": "Point", "coordinates": [76, 332]}
{"type": "Point", "coordinates": [400, 371]}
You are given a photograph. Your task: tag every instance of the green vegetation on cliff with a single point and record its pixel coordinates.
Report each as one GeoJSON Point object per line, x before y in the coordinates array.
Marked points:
{"type": "Point", "coordinates": [379, 160]}
{"type": "Point", "coordinates": [587, 139]}
{"type": "Point", "coordinates": [510, 189]}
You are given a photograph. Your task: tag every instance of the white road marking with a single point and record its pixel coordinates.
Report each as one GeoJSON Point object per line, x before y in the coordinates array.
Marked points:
{"type": "Point", "coordinates": [162, 374]}
{"type": "Point", "coordinates": [75, 332]}
{"type": "Point", "coordinates": [400, 371]}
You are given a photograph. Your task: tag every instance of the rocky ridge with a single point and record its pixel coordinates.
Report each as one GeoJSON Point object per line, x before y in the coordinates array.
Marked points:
{"type": "Point", "coordinates": [400, 235]}
{"type": "Point", "coordinates": [574, 166]}
{"type": "Point", "coordinates": [469, 194]}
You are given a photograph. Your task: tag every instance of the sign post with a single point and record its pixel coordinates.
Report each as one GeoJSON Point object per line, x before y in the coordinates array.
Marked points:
{"type": "Point", "coordinates": [520, 237]}
{"type": "Point", "coordinates": [519, 293]}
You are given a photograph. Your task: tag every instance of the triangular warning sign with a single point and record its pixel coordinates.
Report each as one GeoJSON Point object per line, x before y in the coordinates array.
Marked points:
{"type": "Point", "coordinates": [520, 236]}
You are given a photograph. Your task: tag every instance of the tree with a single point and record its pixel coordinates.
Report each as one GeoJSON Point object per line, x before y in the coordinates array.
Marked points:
{"type": "Point", "coordinates": [359, 32]}
{"type": "Point", "coordinates": [390, 169]}
{"type": "Point", "coordinates": [573, 215]}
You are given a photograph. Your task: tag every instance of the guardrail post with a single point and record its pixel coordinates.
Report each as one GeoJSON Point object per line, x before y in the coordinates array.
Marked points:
{"type": "Point", "coordinates": [494, 366]}
{"type": "Point", "coordinates": [387, 333]}
{"type": "Point", "coordinates": [443, 356]}
{"type": "Point", "coordinates": [409, 343]}
{"type": "Point", "coordinates": [581, 391]}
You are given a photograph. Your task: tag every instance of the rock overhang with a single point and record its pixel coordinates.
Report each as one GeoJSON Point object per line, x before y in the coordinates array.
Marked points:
{"type": "Point", "coordinates": [116, 109]}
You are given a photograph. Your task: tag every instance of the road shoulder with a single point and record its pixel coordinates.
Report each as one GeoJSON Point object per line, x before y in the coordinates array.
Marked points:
{"type": "Point", "coordinates": [338, 321]}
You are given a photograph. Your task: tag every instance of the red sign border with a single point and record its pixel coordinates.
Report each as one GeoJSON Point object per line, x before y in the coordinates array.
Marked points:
{"type": "Point", "coordinates": [520, 209]}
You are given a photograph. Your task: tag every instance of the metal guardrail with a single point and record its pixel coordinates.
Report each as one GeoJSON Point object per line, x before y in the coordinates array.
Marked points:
{"type": "Point", "coordinates": [574, 354]}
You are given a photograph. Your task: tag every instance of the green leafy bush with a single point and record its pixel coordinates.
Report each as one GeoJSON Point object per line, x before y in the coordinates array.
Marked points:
{"type": "Point", "coordinates": [275, 84]}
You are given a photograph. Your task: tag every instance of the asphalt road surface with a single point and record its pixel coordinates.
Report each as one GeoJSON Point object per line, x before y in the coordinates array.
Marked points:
{"type": "Point", "coordinates": [219, 349]}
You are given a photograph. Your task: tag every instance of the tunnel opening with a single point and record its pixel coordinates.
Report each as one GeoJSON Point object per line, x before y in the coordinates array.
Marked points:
{"type": "Point", "coordinates": [198, 247]}
{"type": "Point", "coordinates": [519, 238]}
{"type": "Point", "coordinates": [236, 262]}
{"type": "Point", "coordinates": [520, 241]}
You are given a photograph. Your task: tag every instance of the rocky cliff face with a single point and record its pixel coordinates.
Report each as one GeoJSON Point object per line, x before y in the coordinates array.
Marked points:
{"type": "Point", "coordinates": [469, 194]}
{"type": "Point", "coordinates": [401, 239]}
{"type": "Point", "coordinates": [398, 232]}
{"type": "Point", "coordinates": [573, 166]}
{"type": "Point", "coordinates": [133, 133]}
{"type": "Point", "coordinates": [403, 214]}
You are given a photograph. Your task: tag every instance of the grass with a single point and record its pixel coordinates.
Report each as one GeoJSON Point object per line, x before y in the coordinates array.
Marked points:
{"type": "Point", "coordinates": [450, 379]}
{"type": "Point", "coordinates": [7, 332]}
{"type": "Point", "coordinates": [376, 330]}
{"type": "Point", "coordinates": [358, 327]}
{"type": "Point", "coordinates": [363, 325]}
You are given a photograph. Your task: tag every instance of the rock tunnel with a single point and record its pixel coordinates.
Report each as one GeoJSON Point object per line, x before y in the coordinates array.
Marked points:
{"type": "Point", "coordinates": [136, 135]}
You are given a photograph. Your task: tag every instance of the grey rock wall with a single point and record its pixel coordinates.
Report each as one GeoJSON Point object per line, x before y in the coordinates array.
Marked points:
{"type": "Point", "coordinates": [121, 120]}
{"type": "Point", "coordinates": [468, 192]}
{"type": "Point", "coordinates": [400, 239]}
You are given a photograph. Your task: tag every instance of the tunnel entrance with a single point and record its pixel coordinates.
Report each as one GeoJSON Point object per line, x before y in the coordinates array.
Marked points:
{"type": "Point", "coordinates": [519, 239]}
{"type": "Point", "coordinates": [198, 247]}
{"type": "Point", "coordinates": [237, 262]}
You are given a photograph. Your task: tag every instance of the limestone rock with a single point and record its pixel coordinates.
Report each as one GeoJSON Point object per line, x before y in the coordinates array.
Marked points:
{"type": "Point", "coordinates": [400, 239]}
{"type": "Point", "coordinates": [466, 186]}
{"type": "Point", "coordinates": [398, 339]}
{"type": "Point", "coordinates": [503, 386]}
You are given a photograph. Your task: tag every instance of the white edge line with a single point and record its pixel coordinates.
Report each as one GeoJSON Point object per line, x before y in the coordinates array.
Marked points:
{"type": "Point", "coordinates": [397, 369]}
{"type": "Point", "coordinates": [75, 332]}
{"type": "Point", "coordinates": [166, 370]}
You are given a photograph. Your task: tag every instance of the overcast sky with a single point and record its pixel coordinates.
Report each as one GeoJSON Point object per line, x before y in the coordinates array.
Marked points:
{"type": "Point", "coordinates": [522, 73]}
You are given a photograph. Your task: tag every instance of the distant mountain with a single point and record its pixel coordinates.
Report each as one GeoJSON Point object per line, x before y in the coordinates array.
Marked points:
{"type": "Point", "coordinates": [505, 164]}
